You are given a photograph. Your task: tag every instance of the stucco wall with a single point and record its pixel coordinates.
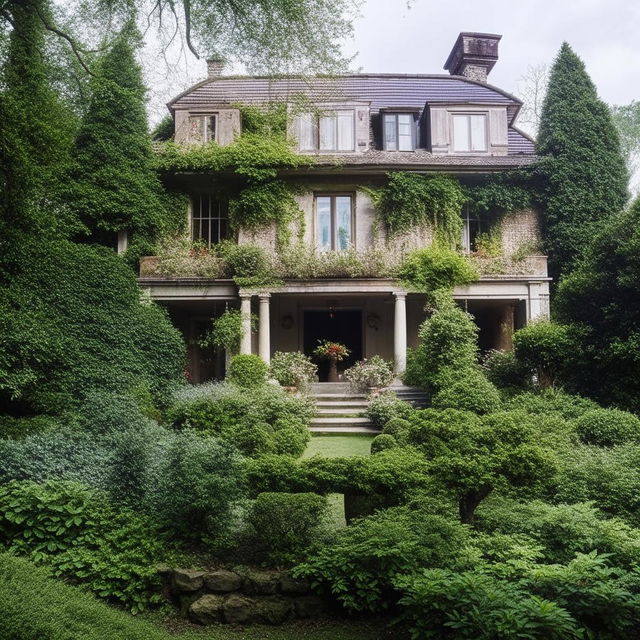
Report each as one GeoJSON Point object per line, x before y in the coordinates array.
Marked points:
{"type": "Point", "coordinates": [520, 229]}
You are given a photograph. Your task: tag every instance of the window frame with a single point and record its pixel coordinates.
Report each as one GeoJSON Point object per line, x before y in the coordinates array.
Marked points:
{"type": "Point", "coordinates": [334, 227]}
{"type": "Point", "coordinates": [315, 119]}
{"type": "Point", "coordinates": [395, 115]}
{"type": "Point", "coordinates": [204, 127]}
{"type": "Point", "coordinates": [467, 241]}
{"type": "Point", "coordinates": [221, 220]}
{"type": "Point", "coordinates": [468, 114]}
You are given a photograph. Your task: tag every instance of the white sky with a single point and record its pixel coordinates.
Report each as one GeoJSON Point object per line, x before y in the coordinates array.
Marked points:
{"type": "Point", "coordinates": [390, 37]}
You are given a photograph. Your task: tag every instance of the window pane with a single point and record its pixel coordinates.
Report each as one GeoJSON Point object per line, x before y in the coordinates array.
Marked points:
{"type": "Point", "coordinates": [328, 133]}
{"type": "Point", "coordinates": [390, 142]}
{"type": "Point", "coordinates": [195, 128]}
{"type": "Point", "coordinates": [323, 215]}
{"type": "Point", "coordinates": [343, 222]}
{"type": "Point", "coordinates": [461, 133]}
{"type": "Point", "coordinates": [405, 132]}
{"type": "Point", "coordinates": [478, 133]}
{"type": "Point", "coordinates": [211, 122]}
{"type": "Point", "coordinates": [345, 131]}
{"type": "Point", "coordinates": [307, 132]}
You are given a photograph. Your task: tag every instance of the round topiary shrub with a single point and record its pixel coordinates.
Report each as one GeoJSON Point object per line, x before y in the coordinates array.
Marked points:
{"type": "Point", "coordinates": [398, 428]}
{"type": "Point", "coordinates": [471, 391]}
{"type": "Point", "coordinates": [608, 427]}
{"type": "Point", "coordinates": [247, 371]}
{"type": "Point", "coordinates": [385, 406]}
{"type": "Point", "coordinates": [293, 369]}
{"type": "Point", "coordinates": [383, 442]}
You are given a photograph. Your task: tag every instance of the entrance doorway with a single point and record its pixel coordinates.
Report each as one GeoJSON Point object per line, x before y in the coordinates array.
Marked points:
{"type": "Point", "coordinates": [343, 326]}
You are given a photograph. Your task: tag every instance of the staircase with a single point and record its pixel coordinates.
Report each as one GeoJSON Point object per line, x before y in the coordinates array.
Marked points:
{"type": "Point", "coordinates": [412, 395]}
{"type": "Point", "coordinates": [339, 410]}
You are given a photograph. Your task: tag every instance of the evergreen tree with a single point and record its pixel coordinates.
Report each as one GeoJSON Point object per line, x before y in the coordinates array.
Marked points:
{"type": "Point", "coordinates": [601, 301]}
{"type": "Point", "coordinates": [113, 185]}
{"type": "Point", "coordinates": [582, 169]}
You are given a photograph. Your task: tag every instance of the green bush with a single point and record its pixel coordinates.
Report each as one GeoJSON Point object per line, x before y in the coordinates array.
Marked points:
{"type": "Point", "coordinates": [503, 369]}
{"type": "Point", "coordinates": [436, 268]}
{"type": "Point", "coordinates": [81, 536]}
{"type": "Point", "coordinates": [293, 369]}
{"type": "Point", "coordinates": [551, 401]}
{"type": "Point", "coordinates": [608, 427]}
{"type": "Point", "coordinates": [34, 605]}
{"type": "Point", "coordinates": [383, 442]}
{"type": "Point", "coordinates": [18, 428]}
{"type": "Point", "coordinates": [284, 526]}
{"type": "Point", "coordinates": [276, 473]}
{"type": "Point", "coordinates": [249, 263]}
{"type": "Point", "coordinates": [385, 406]}
{"type": "Point", "coordinates": [226, 331]}
{"type": "Point", "coordinates": [372, 372]}
{"type": "Point", "coordinates": [248, 371]}
{"type": "Point", "coordinates": [359, 569]}
{"type": "Point", "coordinates": [398, 428]}
{"type": "Point", "coordinates": [467, 390]}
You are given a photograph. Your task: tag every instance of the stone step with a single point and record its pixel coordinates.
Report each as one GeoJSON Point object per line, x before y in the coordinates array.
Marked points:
{"type": "Point", "coordinates": [339, 420]}
{"type": "Point", "coordinates": [340, 410]}
{"type": "Point", "coordinates": [346, 430]}
{"type": "Point", "coordinates": [342, 403]}
{"type": "Point", "coordinates": [331, 387]}
{"type": "Point", "coordinates": [338, 398]}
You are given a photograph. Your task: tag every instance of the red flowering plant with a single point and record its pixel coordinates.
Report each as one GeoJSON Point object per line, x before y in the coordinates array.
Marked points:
{"type": "Point", "coordinates": [327, 350]}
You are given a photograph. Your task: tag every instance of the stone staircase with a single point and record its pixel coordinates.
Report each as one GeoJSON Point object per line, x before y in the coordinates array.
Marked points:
{"type": "Point", "coordinates": [339, 410]}
{"type": "Point", "coordinates": [412, 395]}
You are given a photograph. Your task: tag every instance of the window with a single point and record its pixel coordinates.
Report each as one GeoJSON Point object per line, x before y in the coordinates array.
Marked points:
{"type": "Point", "coordinates": [203, 128]}
{"type": "Point", "coordinates": [209, 220]}
{"type": "Point", "coordinates": [334, 222]}
{"type": "Point", "coordinates": [399, 131]}
{"type": "Point", "coordinates": [469, 132]}
{"type": "Point", "coordinates": [470, 230]}
{"type": "Point", "coordinates": [330, 132]}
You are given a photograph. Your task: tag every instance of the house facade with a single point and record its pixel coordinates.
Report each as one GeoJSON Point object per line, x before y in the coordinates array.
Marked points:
{"type": "Point", "coordinates": [358, 129]}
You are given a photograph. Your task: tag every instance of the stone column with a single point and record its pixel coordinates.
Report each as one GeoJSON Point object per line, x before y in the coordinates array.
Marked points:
{"type": "Point", "coordinates": [400, 333]}
{"type": "Point", "coordinates": [245, 312]}
{"type": "Point", "coordinates": [264, 331]}
{"type": "Point", "coordinates": [507, 325]}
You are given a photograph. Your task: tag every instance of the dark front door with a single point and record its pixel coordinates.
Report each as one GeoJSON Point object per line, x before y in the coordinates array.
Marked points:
{"type": "Point", "coordinates": [344, 326]}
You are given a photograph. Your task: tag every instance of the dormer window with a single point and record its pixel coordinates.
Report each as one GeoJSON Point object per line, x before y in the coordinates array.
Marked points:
{"type": "Point", "coordinates": [203, 128]}
{"type": "Point", "coordinates": [469, 132]}
{"type": "Point", "coordinates": [333, 131]}
{"type": "Point", "coordinates": [398, 131]}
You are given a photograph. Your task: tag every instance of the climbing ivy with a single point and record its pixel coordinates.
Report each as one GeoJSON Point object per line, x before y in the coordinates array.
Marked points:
{"type": "Point", "coordinates": [501, 194]}
{"type": "Point", "coordinates": [409, 200]}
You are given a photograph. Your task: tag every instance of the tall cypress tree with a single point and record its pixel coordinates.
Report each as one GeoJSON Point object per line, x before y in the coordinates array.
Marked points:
{"type": "Point", "coordinates": [583, 174]}
{"type": "Point", "coordinates": [114, 186]}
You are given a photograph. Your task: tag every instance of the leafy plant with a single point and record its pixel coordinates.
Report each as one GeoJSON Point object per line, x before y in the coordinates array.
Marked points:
{"type": "Point", "coordinates": [386, 406]}
{"type": "Point", "coordinates": [327, 350]}
{"type": "Point", "coordinates": [608, 427]}
{"type": "Point", "coordinates": [293, 369]}
{"type": "Point", "coordinates": [468, 390]}
{"type": "Point", "coordinates": [226, 331]}
{"type": "Point", "coordinates": [247, 371]}
{"type": "Point", "coordinates": [374, 372]}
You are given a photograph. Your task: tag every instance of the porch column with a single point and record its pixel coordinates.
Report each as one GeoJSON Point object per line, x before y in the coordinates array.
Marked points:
{"type": "Point", "coordinates": [264, 332]}
{"type": "Point", "coordinates": [245, 314]}
{"type": "Point", "coordinates": [400, 333]}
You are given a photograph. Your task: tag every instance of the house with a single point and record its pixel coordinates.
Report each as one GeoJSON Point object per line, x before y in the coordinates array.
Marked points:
{"type": "Point", "coordinates": [358, 129]}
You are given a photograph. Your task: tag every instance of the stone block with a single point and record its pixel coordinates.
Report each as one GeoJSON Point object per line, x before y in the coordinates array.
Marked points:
{"type": "Point", "coordinates": [293, 586]}
{"type": "Point", "coordinates": [186, 580]}
{"type": "Point", "coordinates": [273, 609]}
{"type": "Point", "coordinates": [207, 609]}
{"type": "Point", "coordinates": [262, 583]}
{"type": "Point", "coordinates": [222, 581]}
{"type": "Point", "coordinates": [309, 606]}
{"type": "Point", "coordinates": [239, 610]}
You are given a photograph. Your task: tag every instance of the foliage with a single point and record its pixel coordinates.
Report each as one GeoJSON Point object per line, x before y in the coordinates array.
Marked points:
{"type": "Point", "coordinates": [626, 117]}
{"type": "Point", "coordinates": [57, 610]}
{"type": "Point", "coordinates": [489, 243]}
{"type": "Point", "coordinates": [582, 178]}
{"type": "Point", "coordinates": [468, 390]}
{"type": "Point", "coordinates": [18, 428]}
{"type": "Point", "coordinates": [600, 302]}
{"type": "Point", "coordinates": [293, 369]}
{"type": "Point", "coordinates": [382, 442]}
{"type": "Point", "coordinates": [436, 268]}
{"type": "Point", "coordinates": [81, 536]}
{"type": "Point", "coordinates": [360, 567]}
{"type": "Point", "coordinates": [247, 371]}
{"type": "Point", "coordinates": [551, 401]}
{"type": "Point", "coordinates": [285, 525]}
{"type": "Point", "coordinates": [386, 406]}
{"type": "Point", "coordinates": [226, 331]}
{"type": "Point", "coordinates": [250, 421]}
{"type": "Point", "coordinates": [164, 130]}
{"type": "Point", "coordinates": [410, 200]}
{"type": "Point", "coordinates": [504, 370]}
{"type": "Point", "coordinates": [543, 347]}
{"type": "Point", "coordinates": [372, 372]}
{"type": "Point", "coordinates": [608, 427]}
{"type": "Point", "coordinates": [504, 193]}
{"type": "Point", "coordinates": [398, 428]}
{"type": "Point", "coordinates": [249, 264]}
{"type": "Point", "coordinates": [177, 256]}
{"type": "Point", "coordinates": [327, 350]}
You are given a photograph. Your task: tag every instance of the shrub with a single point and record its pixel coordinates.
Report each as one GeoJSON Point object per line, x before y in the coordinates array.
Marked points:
{"type": "Point", "coordinates": [247, 371]}
{"type": "Point", "coordinates": [468, 390]}
{"type": "Point", "coordinates": [503, 369]}
{"type": "Point", "coordinates": [551, 401]}
{"type": "Point", "coordinates": [57, 611]}
{"type": "Point", "coordinates": [543, 347]}
{"type": "Point", "coordinates": [372, 372]}
{"type": "Point", "coordinates": [398, 428]}
{"type": "Point", "coordinates": [18, 428]}
{"type": "Point", "coordinates": [276, 473]}
{"type": "Point", "coordinates": [383, 442]}
{"type": "Point", "coordinates": [293, 369]}
{"type": "Point", "coordinates": [105, 412]}
{"type": "Point", "coordinates": [285, 525]}
{"type": "Point", "coordinates": [436, 268]}
{"type": "Point", "coordinates": [359, 569]}
{"type": "Point", "coordinates": [249, 263]}
{"type": "Point", "coordinates": [608, 427]}
{"type": "Point", "coordinates": [226, 331]}
{"type": "Point", "coordinates": [385, 406]}
{"type": "Point", "coordinates": [81, 536]}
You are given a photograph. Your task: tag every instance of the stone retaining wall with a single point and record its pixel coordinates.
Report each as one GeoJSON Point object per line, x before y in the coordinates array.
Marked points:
{"type": "Point", "coordinates": [241, 596]}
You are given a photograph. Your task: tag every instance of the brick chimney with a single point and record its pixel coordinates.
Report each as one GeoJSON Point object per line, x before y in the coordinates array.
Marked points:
{"type": "Point", "coordinates": [473, 55]}
{"type": "Point", "coordinates": [215, 67]}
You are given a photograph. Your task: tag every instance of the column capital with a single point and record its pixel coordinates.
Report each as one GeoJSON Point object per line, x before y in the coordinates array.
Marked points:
{"type": "Point", "coordinates": [264, 295]}
{"type": "Point", "coordinates": [245, 294]}
{"type": "Point", "coordinates": [400, 294]}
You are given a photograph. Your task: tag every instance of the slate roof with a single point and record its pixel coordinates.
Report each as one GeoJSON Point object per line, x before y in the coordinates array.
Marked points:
{"type": "Point", "coordinates": [379, 90]}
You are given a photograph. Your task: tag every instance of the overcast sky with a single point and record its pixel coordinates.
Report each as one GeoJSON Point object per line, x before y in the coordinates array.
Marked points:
{"type": "Point", "coordinates": [390, 37]}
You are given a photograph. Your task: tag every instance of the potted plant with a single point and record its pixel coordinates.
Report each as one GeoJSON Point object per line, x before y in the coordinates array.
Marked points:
{"type": "Point", "coordinates": [334, 352]}
{"type": "Point", "coordinates": [370, 374]}
{"type": "Point", "coordinates": [293, 370]}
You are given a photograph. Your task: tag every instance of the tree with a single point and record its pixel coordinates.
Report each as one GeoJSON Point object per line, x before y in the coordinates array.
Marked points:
{"type": "Point", "coordinates": [626, 117]}
{"type": "Point", "coordinates": [600, 301]}
{"type": "Point", "coordinates": [113, 185]}
{"type": "Point", "coordinates": [583, 177]}
{"type": "Point", "coordinates": [532, 88]}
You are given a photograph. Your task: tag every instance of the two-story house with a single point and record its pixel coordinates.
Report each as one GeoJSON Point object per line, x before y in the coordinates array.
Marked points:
{"type": "Point", "coordinates": [358, 128]}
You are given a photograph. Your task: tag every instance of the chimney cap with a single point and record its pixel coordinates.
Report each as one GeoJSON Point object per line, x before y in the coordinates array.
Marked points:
{"type": "Point", "coordinates": [215, 66]}
{"type": "Point", "coordinates": [479, 49]}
